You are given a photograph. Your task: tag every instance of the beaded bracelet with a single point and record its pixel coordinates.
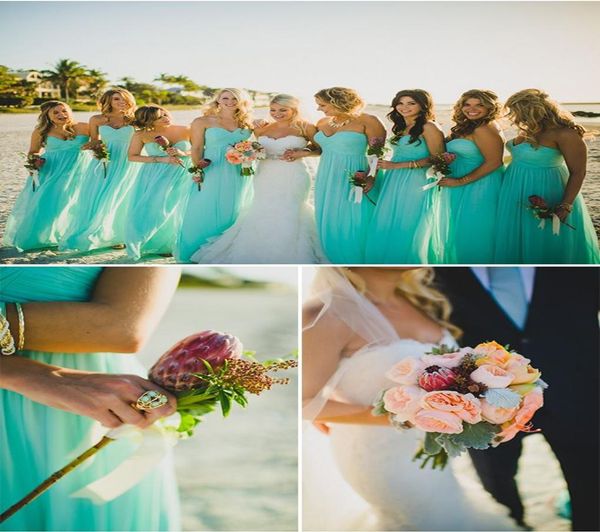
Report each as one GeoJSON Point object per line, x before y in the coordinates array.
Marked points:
{"type": "Point", "coordinates": [566, 206]}
{"type": "Point", "coordinates": [21, 317]}
{"type": "Point", "coordinates": [7, 342]}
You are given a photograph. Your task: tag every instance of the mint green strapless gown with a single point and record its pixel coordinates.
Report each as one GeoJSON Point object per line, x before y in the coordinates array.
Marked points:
{"type": "Point", "coordinates": [541, 171]}
{"type": "Point", "coordinates": [157, 201]}
{"type": "Point", "coordinates": [342, 225]}
{"type": "Point", "coordinates": [99, 217]}
{"type": "Point", "coordinates": [215, 208]}
{"type": "Point", "coordinates": [466, 220]}
{"type": "Point", "coordinates": [38, 440]}
{"type": "Point", "coordinates": [38, 217]}
{"type": "Point", "coordinates": [400, 232]}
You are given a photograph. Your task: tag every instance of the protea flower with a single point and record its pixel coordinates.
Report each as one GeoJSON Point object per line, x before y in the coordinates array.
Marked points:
{"type": "Point", "coordinates": [165, 144]}
{"type": "Point", "coordinates": [537, 201]}
{"type": "Point", "coordinates": [173, 370]}
{"type": "Point", "coordinates": [437, 378]}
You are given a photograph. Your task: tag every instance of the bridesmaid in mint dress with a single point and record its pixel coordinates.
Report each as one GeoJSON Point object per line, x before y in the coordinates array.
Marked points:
{"type": "Point", "coordinates": [158, 196]}
{"type": "Point", "coordinates": [99, 217]}
{"type": "Point", "coordinates": [38, 219]}
{"type": "Point", "coordinates": [53, 391]}
{"type": "Point", "coordinates": [400, 232]}
{"type": "Point", "coordinates": [549, 159]}
{"type": "Point", "coordinates": [225, 192]}
{"type": "Point", "coordinates": [343, 136]}
{"type": "Point", "coordinates": [465, 225]}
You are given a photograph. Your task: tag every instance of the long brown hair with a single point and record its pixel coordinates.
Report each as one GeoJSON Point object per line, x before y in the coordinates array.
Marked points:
{"type": "Point", "coordinates": [44, 124]}
{"type": "Point", "coordinates": [462, 125]}
{"type": "Point", "coordinates": [533, 112]}
{"type": "Point", "coordinates": [145, 116]}
{"type": "Point", "coordinates": [425, 101]}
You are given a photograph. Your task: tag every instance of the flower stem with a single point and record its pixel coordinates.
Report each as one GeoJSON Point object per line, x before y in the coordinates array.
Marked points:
{"type": "Point", "coordinates": [55, 477]}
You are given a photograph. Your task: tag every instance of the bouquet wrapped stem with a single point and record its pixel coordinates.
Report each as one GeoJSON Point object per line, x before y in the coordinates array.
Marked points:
{"type": "Point", "coordinates": [34, 163]}
{"type": "Point", "coordinates": [100, 152]}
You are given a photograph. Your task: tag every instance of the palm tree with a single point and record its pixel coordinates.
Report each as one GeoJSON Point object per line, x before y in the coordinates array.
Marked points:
{"type": "Point", "coordinates": [95, 80]}
{"type": "Point", "coordinates": [186, 83]}
{"type": "Point", "coordinates": [67, 74]}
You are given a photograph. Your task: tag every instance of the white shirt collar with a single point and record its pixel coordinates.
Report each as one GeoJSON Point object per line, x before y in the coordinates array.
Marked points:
{"type": "Point", "coordinates": [527, 276]}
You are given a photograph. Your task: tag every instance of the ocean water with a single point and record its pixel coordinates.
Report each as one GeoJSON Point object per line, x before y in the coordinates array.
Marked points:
{"type": "Point", "coordinates": [239, 473]}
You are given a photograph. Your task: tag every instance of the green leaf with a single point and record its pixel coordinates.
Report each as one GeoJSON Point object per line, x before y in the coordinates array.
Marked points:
{"type": "Point", "coordinates": [198, 410]}
{"type": "Point", "coordinates": [187, 424]}
{"type": "Point", "coordinates": [430, 445]}
{"type": "Point", "coordinates": [453, 448]}
{"type": "Point", "coordinates": [477, 436]}
{"type": "Point", "coordinates": [225, 403]}
{"type": "Point", "coordinates": [378, 406]}
{"type": "Point", "coordinates": [240, 399]}
{"type": "Point", "coordinates": [502, 397]}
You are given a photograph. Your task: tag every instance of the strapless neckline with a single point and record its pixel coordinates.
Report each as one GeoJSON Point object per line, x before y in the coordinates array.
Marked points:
{"type": "Point", "coordinates": [339, 132]}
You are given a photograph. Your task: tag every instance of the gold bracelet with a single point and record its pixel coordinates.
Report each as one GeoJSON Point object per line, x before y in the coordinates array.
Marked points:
{"type": "Point", "coordinates": [566, 206]}
{"type": "Point", "coordinates": [21, 316]}
{"type": "Point", "coordinates": [7, 342]}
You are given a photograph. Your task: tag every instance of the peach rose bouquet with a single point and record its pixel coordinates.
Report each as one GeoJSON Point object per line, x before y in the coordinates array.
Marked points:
{"type": "Point", "coordinates": [245, 153]}
{"type": "Point", "coordinates": [462, 398]}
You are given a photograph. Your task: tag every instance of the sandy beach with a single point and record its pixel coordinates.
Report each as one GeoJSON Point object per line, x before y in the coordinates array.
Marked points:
{"type": "Point", "coordinates": [14, 138]}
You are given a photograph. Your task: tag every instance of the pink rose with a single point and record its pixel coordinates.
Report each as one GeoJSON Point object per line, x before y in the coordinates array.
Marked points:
{"type": "Point", "coordinates": [448, 360]}
{"type": "Point", "coordinates": [233, 157]}
{"type": "Point", "coordinates": [492, 376]}
{"type": "Point", "coordinates": [495, 414]}
{"type": "Point", "coordinates": [465, 406]}
{"type": "Point", "coordinates": [438, 421]}
{"type": "Point", "coordinates": [403, 401]}
{"type": "Point", "coordinates": [406, 371]}
{"type": "Point", "coordinates": [493, 353]}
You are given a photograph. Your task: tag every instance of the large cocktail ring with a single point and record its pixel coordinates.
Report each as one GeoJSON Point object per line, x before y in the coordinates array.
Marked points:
{"type": "Point", "coordinates": [150, 400]}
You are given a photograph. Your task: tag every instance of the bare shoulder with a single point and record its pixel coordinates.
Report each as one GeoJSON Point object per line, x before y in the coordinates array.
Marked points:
{"type": "Point", "coordinates": [566, 134]}
{"type": "Point", "coordinates": [487, 131]}
{"type": "Point", "coordinates": [323, 121]}
{"type": "Point", "coordinates": [369, 119]}
{"type": "Point", "coordinates": [98, 119]}
{"type": "Point", "coordinates": [327, 323]}
{"type": "Point", "coordinates": [432, 127]}
{"type": "Point", "coordinates": [201, 122]}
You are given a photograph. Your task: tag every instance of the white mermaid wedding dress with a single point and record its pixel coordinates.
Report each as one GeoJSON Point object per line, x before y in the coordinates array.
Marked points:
{"type": "Point", "coordinates": [362, 477]}
{"type": "Point", "coordinates": [278, 227]}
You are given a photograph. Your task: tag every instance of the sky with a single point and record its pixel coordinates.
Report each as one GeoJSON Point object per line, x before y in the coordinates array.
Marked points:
{"type": "Point", "coordinates": [377, 48]}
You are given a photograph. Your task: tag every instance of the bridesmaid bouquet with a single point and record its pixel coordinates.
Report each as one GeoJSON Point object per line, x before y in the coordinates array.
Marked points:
{"type": "Point", "coordinates": [34, 163]}
{"type": "Point", "coordinates": [197, 172]}
{"type": "Point", "coordinates": [165, 144]}
{"type": "Point", "coordinates": [375, 151]}
{"type": "Point", "coordinates": [245, 153]}
{"type": "Point", "coordinates": [468, 398]}
{"type": "Point", "coordinates": [359, 181]}
{"type": "Point", "coordinates": [204, 370]}
{"type": "Point", "coordinates": [100, 152]}
{"type": "Point", "coordinates": [440, 168]}
{"type": "Point", "coordinates": [539, 208]}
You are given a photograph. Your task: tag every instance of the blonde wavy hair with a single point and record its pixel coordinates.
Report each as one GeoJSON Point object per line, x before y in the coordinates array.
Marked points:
{"type": "Point", "coordinates": [293, 103]}
{"type": "Point", "coordinates": [343, 99]}
{"type": "Point", "coordinates": [105, 102]}
{"type": "Point", "coordinates": [533, 112]}
{"type": "Point", "coordinates": [416, 287]}
{"type": "Point", "coordinates": [145, 116]}
{"type": "Point", "coordinates": [44, 124]}
{"type": "Point", "coordinates": [463, 126]}
{"type": "Point", "coordinates": [243, 113]}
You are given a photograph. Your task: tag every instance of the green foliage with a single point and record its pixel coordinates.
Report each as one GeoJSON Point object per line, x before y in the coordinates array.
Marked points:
{"type": "Point", "coordinates": [442, 349]}
{"type": "Point", "coordinates": [69, 75]}
{"type": "Point", "coordinates": [378, 406]}
{"type": "Point", "coordinates": [502, 397]}
{"type": "Point", "coordinates": [430, 445]}
{"type": "Point", "coordinates": [473, 436]}
{"type": "Point", "coordinates": [14, 91]}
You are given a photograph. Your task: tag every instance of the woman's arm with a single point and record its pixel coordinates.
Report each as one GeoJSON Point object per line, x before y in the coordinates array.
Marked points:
{"type": "Point", "coordinates": [82, 128]}
{"type": "Point", "coordinates": [491, 145]}
{"type": "Point", "coordinates": [126, 305]}
{"type": "Point", "coordinates": [374, 128]}
{"type": "Point", "coordinates": [434, 138]}
{"type": "Point", "coordinates": [135, 152]}
{"type": "Point", "coordinates": [322, 348]}
{"type": "Point", "coordinates": [103, 397]}
{"type": "Point", "coordinates": [312, 149]}
{"type": "Point", "coordinates": [574, 151]}
{"type": "Point", "coordinates": [35, 145]}
{"type": "Point", "coordinates": [197, 129]}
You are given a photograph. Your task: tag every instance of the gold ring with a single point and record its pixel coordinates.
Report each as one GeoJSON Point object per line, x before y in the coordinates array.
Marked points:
{"type": "Point", "coordinates": [150, 400]}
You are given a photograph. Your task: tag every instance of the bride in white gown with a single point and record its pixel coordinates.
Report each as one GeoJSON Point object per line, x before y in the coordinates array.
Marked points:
{"type": "Point", "coordinates": [359, 323]}
{"type": "Point", "coordinates": [278, 227]}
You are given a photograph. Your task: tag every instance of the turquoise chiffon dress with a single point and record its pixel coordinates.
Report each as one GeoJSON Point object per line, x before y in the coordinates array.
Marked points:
{"type": "Point", "coordinates": [466, 220]}
{"type": "Point", "coordinates": [400, 231]}
{"type": "Point", "coordinates": [99, 217]}
{"type": "Point", "coordinates": [38, 217]}
{"type": "Point", "coordinates": [342, 225]}
{"type": "Point", "coordinates": [540, 171]}
{"type": "Point", "coordinates": [215, 208]}
{"type": "Point", "coordinates": [157, 201]}
{"type": "Point", "coordinates": [38, 440]}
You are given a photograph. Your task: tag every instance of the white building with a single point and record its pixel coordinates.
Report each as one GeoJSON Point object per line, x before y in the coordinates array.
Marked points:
{"type": "Point", "coordinates": [43, 87]}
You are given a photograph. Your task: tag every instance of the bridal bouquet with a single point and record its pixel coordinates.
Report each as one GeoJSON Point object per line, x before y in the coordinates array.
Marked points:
{"type": "Point", "coordinates": [462, 398]}
{"type": "Point", "coordinates": [440, 168]}
{"type": "Point", "coordinates": [34, 163]}
{"type": "Point", "coordinates": [197, 172]}
{"type": "Point", "coordinates": [375, 151]}
{"type": "Point", "coordinates": [100, 152]}
{"type": "Point", "coordinates": [245, 153]}
{"type": "Point", "coordinates": [165, 144]}
{"type": "Point", "coordinates": [204, 370]}
{"type": "Point", "coordinates": [541, 211]}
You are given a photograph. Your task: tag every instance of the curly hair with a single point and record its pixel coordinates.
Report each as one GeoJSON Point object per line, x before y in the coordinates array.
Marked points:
{"type": "Point", "coordinates": [145, 116]}
{"type": "Point", "coordinates": [243, 113]}
{"type": "Point", "coordinates": [44, 124]}
{"type": "Point", "coordinates": [463, 126]}
{"type": "Point", "coordinates": [105, 102]}
{"type": "Point", "coordinates": [416, 287]}
{"type": "Point", "coordinates": [533, 112]}
{"type": "Point", "coordinates": [343, 99]}
{"type": "Point", "coordinates": [293, 103]}
{"type": "Point", "coordinates": [425, 101]}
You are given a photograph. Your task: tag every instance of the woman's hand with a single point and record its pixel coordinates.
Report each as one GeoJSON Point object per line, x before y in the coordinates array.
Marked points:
{"type": "Point", "coordinates": [259, 123]}
{"type": "Point", "coordinates": [175, 152]}
{"type": "Point", "coordinates": [292, 155]}
{"type": "Point", "coordinates": [90, 145]}
{"type": "Point", "coordinates": [387, 165]}
{"type": "Point", "coordinates": [561, 212]}
{"type": "Point", "coordinates": [450, 182]}
{"type": "Point", "coordinates": [169, 160]}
